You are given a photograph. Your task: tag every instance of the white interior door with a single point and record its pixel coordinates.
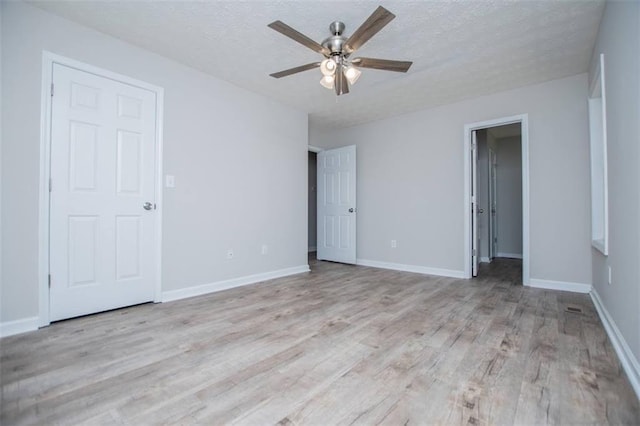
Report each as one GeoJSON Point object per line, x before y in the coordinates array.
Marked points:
{"type": "Point", "coordinates": [474, 206]}
{"type": "Point", "coordinates": [102, 237]}
{"type": "Point", "coordinates": [337, 205]}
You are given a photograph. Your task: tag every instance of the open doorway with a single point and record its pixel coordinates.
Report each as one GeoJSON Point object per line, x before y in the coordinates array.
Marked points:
{"type": "Point", "coordinates": [499, 187]}
{"type": "Point", "coordinates": [312, 204]}
{"type": "Point", "coordinates": [496, 189]}
{"type": "Point", "coordinates": [335, 204]}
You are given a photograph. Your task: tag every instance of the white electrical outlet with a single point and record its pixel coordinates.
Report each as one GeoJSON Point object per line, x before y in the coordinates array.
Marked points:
{"type": "Point", "coordinates": [265, 249]}
{"type": "Point", "coordinates": [394, 244]}
{"type": "Point", "coordinates": [170, 181]}
{"type": "Point", "coordinates": [230, 254]}
{"type": "Point", "coordinates": [609, 274]}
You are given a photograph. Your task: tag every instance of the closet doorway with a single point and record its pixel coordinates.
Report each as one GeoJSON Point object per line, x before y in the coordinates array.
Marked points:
{"type": "Point", "coordinates": [496, 193]}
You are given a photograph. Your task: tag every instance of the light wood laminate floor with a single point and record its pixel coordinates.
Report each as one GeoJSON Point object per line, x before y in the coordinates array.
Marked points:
{"type": "Point", "coordinates": [340, 345]}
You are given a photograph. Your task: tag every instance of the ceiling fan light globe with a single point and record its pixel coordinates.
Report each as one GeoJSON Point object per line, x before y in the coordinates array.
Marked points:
{"type": "Point", "coordinates": [352, 73]}
{"type": "Point", "coordinates": [327, 81]}
{"type": "Point", "coordinates": [328, 67]}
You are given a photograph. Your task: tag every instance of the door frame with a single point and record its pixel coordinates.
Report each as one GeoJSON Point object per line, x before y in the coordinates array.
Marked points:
{"type": "Point", "coordinates": [493, 234]}
{"type": "Point", "coordinates": [473, 198]}
{"type": "Point", "coordinates": [523, 119]}
{"type": "Point", "coordinates": [315, 150]}
{"type": "Point", "coordinates": [48, 59]}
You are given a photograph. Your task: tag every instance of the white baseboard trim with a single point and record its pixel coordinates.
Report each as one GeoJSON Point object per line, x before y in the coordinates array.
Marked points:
{"type": "Point", "coordinates": [485, 260]}
{"type": "Point", "coordinates": [312, 249]}
{"type": "Point", "coordinates": [198, 290]}
{"type": "Point", "coordinates": [9, 328]}
{"type": "Point", "coordinates": [560, 285]}
{"type": "Point", "coordinates": [510, 255]}
{"type": "Point", "coordinates": [411, 268]}
{"type": "Point", "coordinates": [627, 359]}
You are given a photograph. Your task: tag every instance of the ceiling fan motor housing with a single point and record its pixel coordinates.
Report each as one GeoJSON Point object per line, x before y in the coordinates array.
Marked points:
{"type": "Point", "coordinates": [336, 42]}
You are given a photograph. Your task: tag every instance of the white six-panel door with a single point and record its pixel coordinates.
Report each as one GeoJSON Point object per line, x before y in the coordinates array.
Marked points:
{"type": "Point", "coordinates": [336, 239]}
{"type": "Point", "coordinates": [102, 238]}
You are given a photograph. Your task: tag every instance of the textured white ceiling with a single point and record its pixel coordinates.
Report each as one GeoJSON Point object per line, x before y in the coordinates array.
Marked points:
{"type": "Point", "coordinates": [459, 49]}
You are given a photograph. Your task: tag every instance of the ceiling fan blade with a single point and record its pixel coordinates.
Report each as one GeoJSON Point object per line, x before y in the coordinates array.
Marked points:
{"type": "Point", "coordinates": [374, 23]}
{"type": "Point", "coordinates": [340, 83]}
{"type": "Point", "coordinates": [295, 70]}
{"type": "Point", "coordinates": [295, 35]}
{"type": "Point", "coordinates": [382, 64]}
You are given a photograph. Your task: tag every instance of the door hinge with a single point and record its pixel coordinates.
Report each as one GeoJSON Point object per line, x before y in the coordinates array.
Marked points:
{"type": "Point", "coordinates": [52, 90]}
{"type": "Point", "coordinates": [50, 184]}
{"type": "Point", "coordinates": [474, 252]}
{"type": "Point", "coordinates": [49, 280]}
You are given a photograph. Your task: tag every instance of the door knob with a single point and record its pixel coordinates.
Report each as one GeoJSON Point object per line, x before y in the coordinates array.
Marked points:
{"type": "Point", "coordinates": [481, 211]}
{"type": "Point", "coordinates": [147, 206]}
{"type": "Point", "coordinates": [351, 210]}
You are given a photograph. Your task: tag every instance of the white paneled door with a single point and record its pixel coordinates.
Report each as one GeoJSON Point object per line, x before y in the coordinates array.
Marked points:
{"type": "Point", "coordinates": [337, 205]}
{"type": "Point", "coordinates": [102, 212]}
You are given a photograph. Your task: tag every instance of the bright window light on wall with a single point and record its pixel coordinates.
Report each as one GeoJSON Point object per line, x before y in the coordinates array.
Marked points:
{"type": "Point", "coordinates": [598, 146]}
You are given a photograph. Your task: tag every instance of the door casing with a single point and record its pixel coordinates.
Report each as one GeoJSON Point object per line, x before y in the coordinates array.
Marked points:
{"type": "Point", "coordinates": [475, 246]}
{"type": "Point", "coordinates": [493, 203]}
{"type": "Point", "coordinates": [48, 59]}
{"type": "Point", "coordinates": [523, 119]}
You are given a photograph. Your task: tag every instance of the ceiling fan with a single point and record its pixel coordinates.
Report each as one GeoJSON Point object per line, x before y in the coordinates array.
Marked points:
{"type": "Point", "coordinates": [338, 71]}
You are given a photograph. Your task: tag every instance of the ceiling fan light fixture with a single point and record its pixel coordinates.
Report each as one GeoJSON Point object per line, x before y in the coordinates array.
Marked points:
{"type": "Point", "coordinates": [352, 73]}
{"type": "Point", "coordinates": [327, 81]}
{"type": "Point", "coordinates": [328, 67]}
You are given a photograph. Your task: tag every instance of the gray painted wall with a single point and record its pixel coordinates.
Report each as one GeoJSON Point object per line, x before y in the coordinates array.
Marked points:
{"type": "Point", "coordinates": [619, 40]}
{"type": "Point", "coordinates": [411, 180]}
{"type": "Point", "coordinates": [240, 162]}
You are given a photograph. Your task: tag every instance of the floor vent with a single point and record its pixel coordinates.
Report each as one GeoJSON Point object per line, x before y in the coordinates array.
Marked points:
{"type": "Point", "coordinates": [573, 310]}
